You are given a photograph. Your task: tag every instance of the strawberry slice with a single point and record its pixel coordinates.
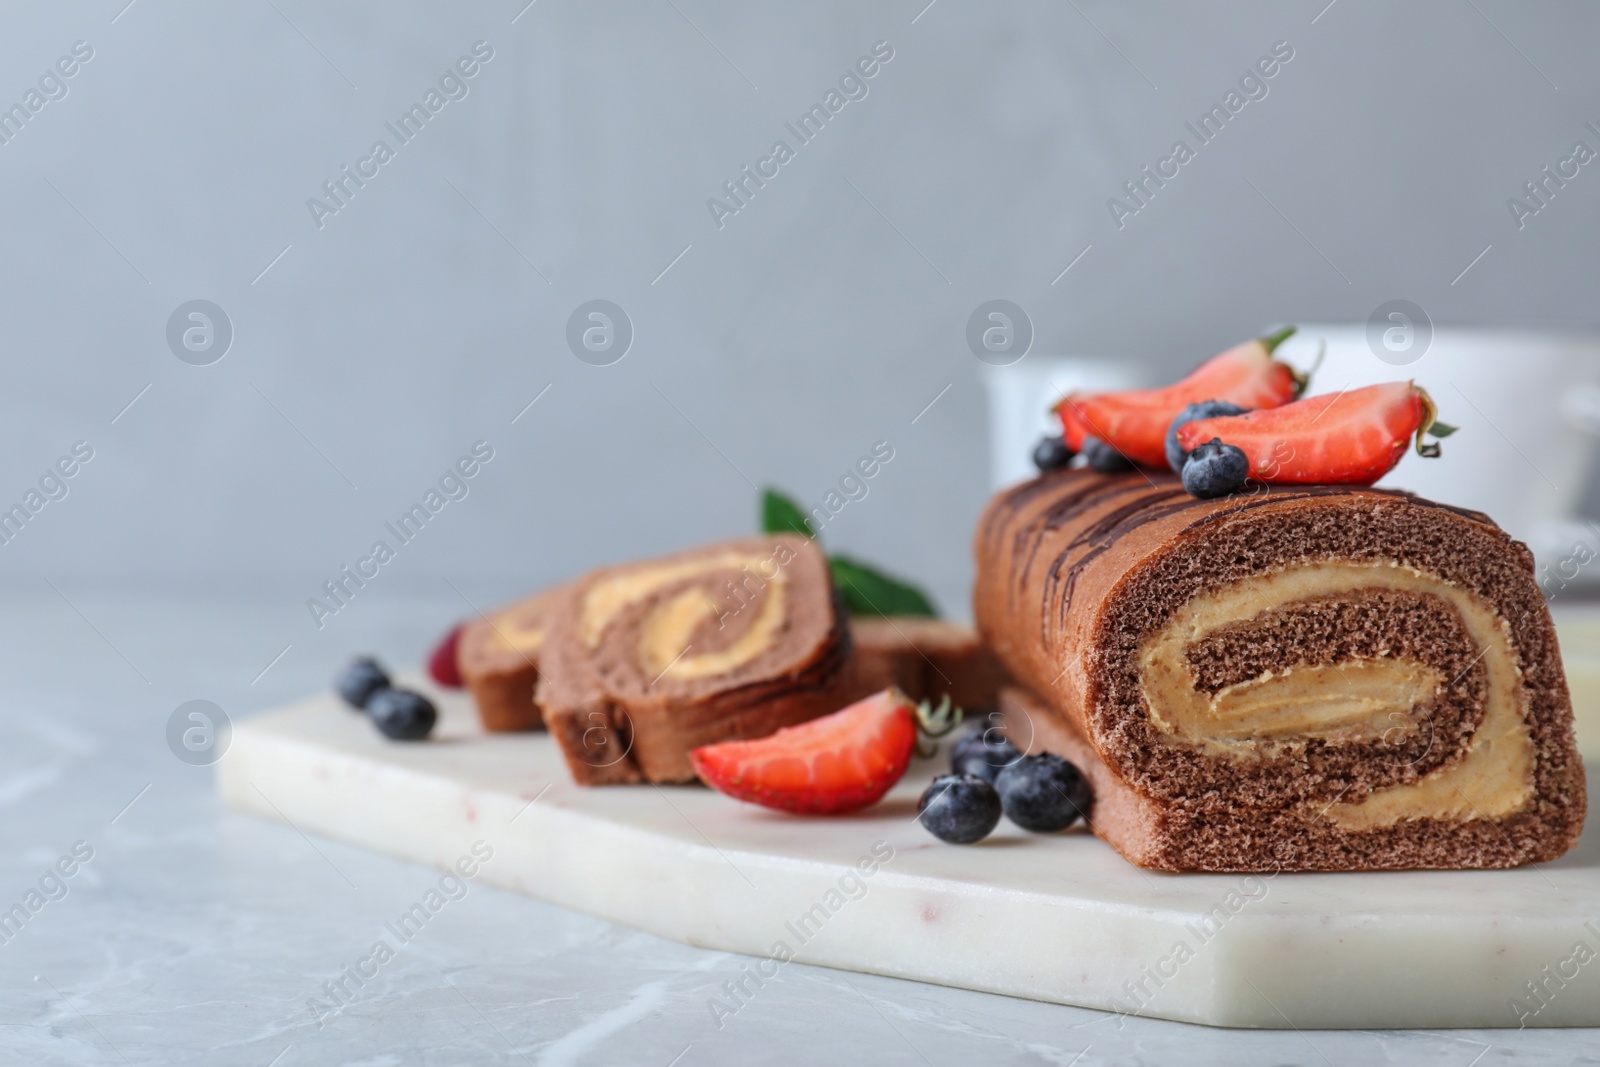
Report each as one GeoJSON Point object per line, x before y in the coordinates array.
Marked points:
{"type": "Point", "coordinates": [1349, 438]}
{"type": "Point", "coordinates": [838, 763]}
{"type": "Point", "coordinates": [1073, 428]}
{"type": "Point", "coordinates": [442, 660]}
{"type": "Point", "coordinates": [1135, 422]}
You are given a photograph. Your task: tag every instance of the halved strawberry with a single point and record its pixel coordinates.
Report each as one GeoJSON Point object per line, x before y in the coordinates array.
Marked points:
{"type": "Point", "coordinates": [1073, 428]}
{"type": "Point", "coordinates": [1349, 438]}
{"type": "Point", "coordinates": [1135, 422]}
{"type": "Point", "coordinates": [838, 763]}
{"type": "Point", "coordinates": [442, 666]}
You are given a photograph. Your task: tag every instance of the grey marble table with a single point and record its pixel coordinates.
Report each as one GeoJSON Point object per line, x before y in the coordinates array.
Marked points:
{"type": "Point", "coordinates": [194, 935]}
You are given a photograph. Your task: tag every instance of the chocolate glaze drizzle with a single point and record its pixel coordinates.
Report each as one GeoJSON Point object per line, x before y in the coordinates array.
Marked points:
{"type": "Point", "coordinates": [1152, 497]}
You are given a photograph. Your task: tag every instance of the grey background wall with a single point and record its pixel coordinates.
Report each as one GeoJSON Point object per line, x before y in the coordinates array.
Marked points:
{"type": "Point", "coordinates": [372, 351]}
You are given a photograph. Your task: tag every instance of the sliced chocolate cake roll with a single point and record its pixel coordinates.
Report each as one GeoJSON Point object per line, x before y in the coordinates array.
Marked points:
{"type": "Point", "coordinates": [928, 659]}
{"type": "Point", "coordinates": [730, 641]}
{"type": "Point", "coordinates": [1314, 678]}
{"type": "Point", "coordinates": [499, 662]}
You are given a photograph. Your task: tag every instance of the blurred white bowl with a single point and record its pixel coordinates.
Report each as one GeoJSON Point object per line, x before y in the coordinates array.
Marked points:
{"type": "Point", "coordinates": [1527, 442]}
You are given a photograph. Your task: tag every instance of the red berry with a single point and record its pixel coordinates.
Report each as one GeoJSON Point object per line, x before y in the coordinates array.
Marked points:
{"type": "Point", "coordinates": [838, 763]}
{"type": "Point", "coordinates": [442, 666]}
{"type": "Point", "coordinates": [1349, 438]}
{"type": "Point", "coordinates": [1135, 422]}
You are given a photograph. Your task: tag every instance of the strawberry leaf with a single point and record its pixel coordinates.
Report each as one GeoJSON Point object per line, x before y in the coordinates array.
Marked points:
{"type": "Point", "coordinates": [934, 723]}
{"type": "Point", "coordinates": [1272, 341]}
{"type": "Point", "coordinates": [1302, 379]}
{"type": "Point", "coordinates": [1430, 425]}
{"type": "Point", "coordinates": [779, 514]}
{"type": "Point", "coordinates": [867, 591]}
{"type": "Point", "coordinates": [937, 720]}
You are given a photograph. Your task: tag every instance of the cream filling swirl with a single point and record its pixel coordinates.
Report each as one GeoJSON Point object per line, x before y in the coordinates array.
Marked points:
{"type": "Point", "coordinates": [664, 637]}
{"type": "Point", "coordinates": [1358, 700]}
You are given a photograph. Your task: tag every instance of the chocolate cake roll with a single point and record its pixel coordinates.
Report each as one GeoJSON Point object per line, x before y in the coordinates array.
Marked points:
{"type": "Point", "coordinates": [928, 659]}
{"type": "Point", "coordinates": [1313, 678]}
{"type": "Point", "coordinates": [499, 662]}
{"type": "Point", "coordinates": [730, 641]}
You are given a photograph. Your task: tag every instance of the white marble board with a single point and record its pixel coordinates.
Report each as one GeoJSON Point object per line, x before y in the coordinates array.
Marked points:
{"type": "Point", "coordinates": [1059, 918]}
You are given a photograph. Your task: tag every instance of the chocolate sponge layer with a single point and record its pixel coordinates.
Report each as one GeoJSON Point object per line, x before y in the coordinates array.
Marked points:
{"type": "Point", "coordinates": [1173, 836]}
{"type": "Point", "coordinates": [1076, 571]}
{"type": "Point", "coordinates": [1366, 626]}
{"type": "Point", "coordinates": [618, 719]}
{"type": "Point", "coordinates": [499, 662]}
{"type": "Point", "coordinates": [928, 659]}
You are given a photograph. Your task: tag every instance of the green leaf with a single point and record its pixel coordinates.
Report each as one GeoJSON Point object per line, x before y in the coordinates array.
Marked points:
{"type": "Point", "coordinates": [779, 514]}
{"type": "Point", "coordinates": [867, 591]}
{"type": "Point", "coordinates": [1441, 429]}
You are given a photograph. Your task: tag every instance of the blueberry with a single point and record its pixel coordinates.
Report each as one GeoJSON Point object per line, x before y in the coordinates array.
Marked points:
{"type": "Point", "coordinates": [1206, 409]}
{"type": "Point", "coordinates": [402, 714]}
{"type": "Point", "coordinates": [982, 753]}
{"type": "Point", "coordinates": [1051, 453]}
{"type": "Point", "coordinates": [359, 679]}
{"type": "Point", "coordinates": [1104, 458]}
{"type": "Point", "coordinates": [1043, 793]}
{"type": "Point", "coordinates": [959, 808]}
{"type": "Point", "coordinates": [1215, 469]}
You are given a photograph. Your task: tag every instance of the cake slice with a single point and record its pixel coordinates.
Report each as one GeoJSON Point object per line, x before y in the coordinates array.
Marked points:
{"type": "Point", "coordinates": [928, 659]}
{"type": "Point", "coordinates": [1312, 678]}
{"type": "Point", "coordinates": [499, 662]}
{"type": "Point", "coordinates": [730, 641]}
